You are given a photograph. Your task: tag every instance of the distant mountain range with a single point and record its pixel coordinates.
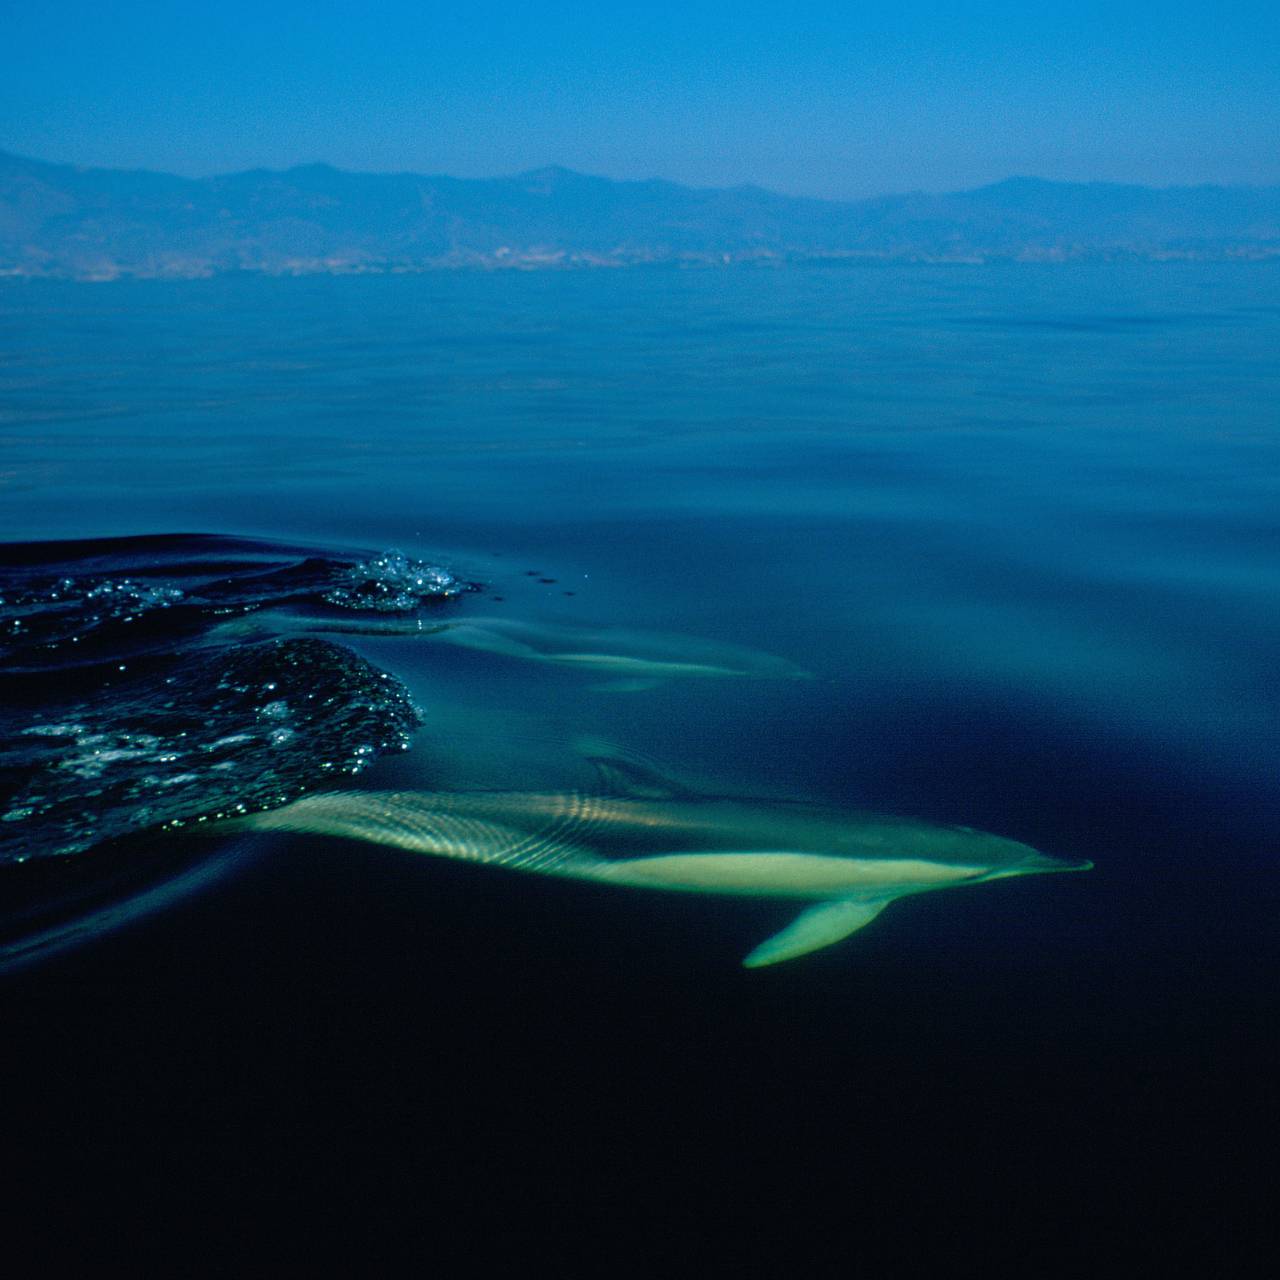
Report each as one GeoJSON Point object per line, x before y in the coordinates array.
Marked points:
{"type": "Point", "coordinates": [92, 224]}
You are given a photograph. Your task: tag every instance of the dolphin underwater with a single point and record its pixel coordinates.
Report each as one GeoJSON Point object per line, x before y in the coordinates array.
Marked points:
{"type": "Point", "coordinates": [631, 660]}
{"type": "Point", "coordinates": [642, 831]}
{"type": "Point", "coordinates": [639, 655]}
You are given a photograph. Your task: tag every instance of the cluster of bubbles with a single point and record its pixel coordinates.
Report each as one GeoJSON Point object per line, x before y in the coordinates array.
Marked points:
{"type": "Point", "coordinates": [131, 697]}
{"type": "Point", "coordinates": [119, 600]}
{"type": "Point", "coordinates": [207, 736]}
{"type": "Point", "coordinates": [393, 583]}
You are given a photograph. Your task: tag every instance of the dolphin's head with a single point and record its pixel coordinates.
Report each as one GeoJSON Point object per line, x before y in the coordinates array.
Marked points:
{"type": "Point", "coordinates": [1019, 859]}
{"type": "Point", "coordinates": [1045, 862]}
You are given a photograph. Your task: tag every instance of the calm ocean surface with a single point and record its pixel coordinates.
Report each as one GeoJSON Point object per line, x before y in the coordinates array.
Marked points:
{"type": "Point", "coordinates": [1023, 527]}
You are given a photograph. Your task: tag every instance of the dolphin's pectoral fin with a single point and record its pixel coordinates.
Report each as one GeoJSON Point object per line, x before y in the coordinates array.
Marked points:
{"type": "Point", "coordinates": [814, 929]}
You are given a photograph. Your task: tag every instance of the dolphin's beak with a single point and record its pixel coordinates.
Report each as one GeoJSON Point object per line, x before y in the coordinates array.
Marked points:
{"type": "Point", "coordinates": [1043, 862]}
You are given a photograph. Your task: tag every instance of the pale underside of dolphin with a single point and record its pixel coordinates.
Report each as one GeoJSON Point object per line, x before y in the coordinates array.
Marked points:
{"type": "Point", "coordinates": [643, 833]}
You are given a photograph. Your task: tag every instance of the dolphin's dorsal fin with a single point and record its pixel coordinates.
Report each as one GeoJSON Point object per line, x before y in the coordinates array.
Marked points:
{"type": "Point", "coordinates": [629, 778]}
{"type": "Point", "coordinates": [475, 635]}
{"type": "Point", "coordinates": [814, 929]}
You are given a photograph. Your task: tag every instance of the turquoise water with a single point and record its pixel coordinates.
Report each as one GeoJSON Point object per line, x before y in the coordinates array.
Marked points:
{"type": "Point", "coordinates": [1021, 526]}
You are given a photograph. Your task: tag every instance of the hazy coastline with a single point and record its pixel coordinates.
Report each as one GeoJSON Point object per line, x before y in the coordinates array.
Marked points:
{"type": "Point", "coordinates": [65, 222]}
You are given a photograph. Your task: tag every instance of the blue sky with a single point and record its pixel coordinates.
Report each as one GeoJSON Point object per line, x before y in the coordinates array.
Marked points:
{"type": "Point", "coordinates": [829, 99]}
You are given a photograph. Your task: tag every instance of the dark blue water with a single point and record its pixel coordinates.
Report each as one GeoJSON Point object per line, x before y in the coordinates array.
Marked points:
{"type": "Point", "coordinates": [1022, 526]}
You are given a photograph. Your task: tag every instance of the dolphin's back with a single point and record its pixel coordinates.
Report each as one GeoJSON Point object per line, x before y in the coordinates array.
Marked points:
{"type": "Point", "coordinates": [436, 823]}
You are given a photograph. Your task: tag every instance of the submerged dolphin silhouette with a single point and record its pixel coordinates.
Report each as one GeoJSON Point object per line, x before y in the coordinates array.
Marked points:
{"type": "Point", "coordinates": [642, 658]}
{"type": "Point", "coordinates": [638, 659]}
{"type": "Point", "coordinates": [647, 833]}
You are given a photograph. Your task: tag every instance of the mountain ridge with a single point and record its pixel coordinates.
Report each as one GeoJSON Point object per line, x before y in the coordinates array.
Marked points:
{"type": "Point", "coordinates": [76, 222]}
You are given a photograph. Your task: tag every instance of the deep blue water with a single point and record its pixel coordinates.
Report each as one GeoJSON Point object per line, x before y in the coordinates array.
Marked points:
{"type": "Point", "coordinates": [1023, 527]}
